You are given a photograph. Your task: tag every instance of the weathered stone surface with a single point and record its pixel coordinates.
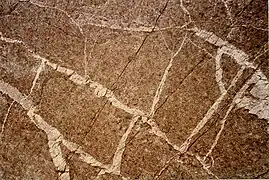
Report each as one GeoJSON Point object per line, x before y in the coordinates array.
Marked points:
{"type": "Point", "coordinates": [23, 149]}
{"type": "Point", "coordinates": [148, 89]}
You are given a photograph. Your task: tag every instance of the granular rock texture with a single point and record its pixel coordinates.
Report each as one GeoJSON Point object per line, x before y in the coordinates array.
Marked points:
{"type": "Point", "coordinates": [101, 89]}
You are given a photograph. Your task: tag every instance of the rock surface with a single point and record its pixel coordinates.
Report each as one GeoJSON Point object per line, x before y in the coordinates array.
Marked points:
{"type": "Point", "coordinates": [149, 89]}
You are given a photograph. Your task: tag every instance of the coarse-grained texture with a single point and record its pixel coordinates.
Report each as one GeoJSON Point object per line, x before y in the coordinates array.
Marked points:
{"type": "Point", "coordinates": [101, 89]}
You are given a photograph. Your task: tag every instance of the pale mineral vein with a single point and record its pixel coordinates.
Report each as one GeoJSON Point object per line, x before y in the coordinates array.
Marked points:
{"type": "Point", "coordinates": [222, 122]}
{"type": "Point", "coordinates": [228, 10]}
{"type": "Point", "coordinates": [219, 71]}
{"type": "Point", "coordinates": [55, 138]}
{"type": "Point", "coordinates": [5, 119]}
{"type": "Point", "coordinates": [80, 21]}
{"type": "Point", "coordinates": [39, 70]}
{"type": "Point", "coordinates": [242, 59]}
{"type": "Point", "coordinates": [85, 157]}
{"type": "Point", "coordinates": [43, 5]}
{"type": "Point", "coordinates": [164, 77]}
{"type": "Point", "coordinates": [223, 48]}
{"type": "Point", "coordinates": [205, 166]}
{"type": "Point", "coordinates": [85, 56]}
{"type": "Point", "coordinates": [99, 90]}
{"type": "Point", "coordinates": [117, 158]}
{"type": "Point", "coordinates": [256, 106]}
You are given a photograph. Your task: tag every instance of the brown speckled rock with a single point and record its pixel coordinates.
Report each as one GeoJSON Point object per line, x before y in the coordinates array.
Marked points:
{"type": "Point", "coordinates": [100, 89]}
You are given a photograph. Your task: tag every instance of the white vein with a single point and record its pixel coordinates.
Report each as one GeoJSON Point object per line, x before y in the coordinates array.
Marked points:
{"type": "Point", "coordinates": [5, 118]}
{"type": "Point", "coordinates": [254, 27]}
{"type": "Point", "coordinates": [199, 47]}
{"type": "Point", "coordinates": [185, 10]}
{"type": "Point", "coordinates": [223, 121]}
{"type": "Point", "coordinates": [164, 77]}
{"type": "Point", "coordinates": [205, 166]}
{"type": "Point", "coordinates": [8, 40]}
{"type": "Point", "coordinates": [242, 59]}
{"type": "Point", "coordinates": [43, 5]}
{"type": "Point", "coordinates": [54, 141]}
{"type": "Point", "coordinates": [38, 72]}
{"type": "Point", "coordinates": [55, 138]}
{"type": "Point", "coordinates": [239, 56]}
{"type": "Point", "coordinates": [209, 114]}
{"type": "Point", "coordinates": [52, 134]}
{"type": "Point", "coordinates": [102, 24]}
{"type": "Point", "coordinates": [228, 10]}
{"type": "Point", "coordinates": [99, 90]}
{"type": "Point", "coordinates": [262, 88]}
{"type": "Point", "coordinates": [258, 104]}
{"type": "Point", "coordinates": [156, 131]}
{"type": "Point", "coordinates": [85, 56]}
{"type": "Point", "coordinates": [108, 24]}
{"type": "Point", "coordinates": [165, 42]}
{"type": "Point", "coordinates": [85, 157]}
{"type": "Point", "coordinates": [219, 71]}
{"type": "Point", "coordinates": [116, 162]}
{"type": "Point", "coordinates": [115, 25]}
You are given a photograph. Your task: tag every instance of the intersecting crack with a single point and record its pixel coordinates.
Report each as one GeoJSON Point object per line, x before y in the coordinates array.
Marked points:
{"type": "Point", "coordinates": [55, 138]}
